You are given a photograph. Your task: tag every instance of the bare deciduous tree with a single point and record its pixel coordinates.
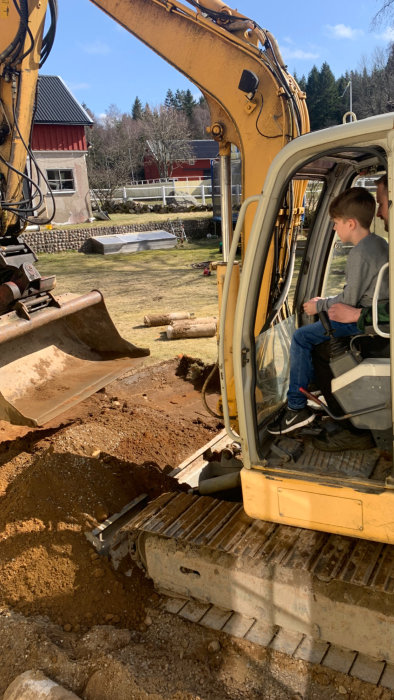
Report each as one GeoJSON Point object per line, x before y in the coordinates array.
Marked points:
{"type": "Point", "coordinates": [118, 142]}
{"type": "Point", "coordinates": [386, 13]}
{"type": "Point", "coordinates": [200, 120]}
{"type": "Point", "coordinates": [115, 157]}
{"type": "Point", "coordinates": [373, 86]}
{"type": "Point", "coordinates": [167, 134]}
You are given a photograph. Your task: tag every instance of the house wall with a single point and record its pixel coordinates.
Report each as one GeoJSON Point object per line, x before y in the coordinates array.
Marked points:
{"type": "Point", "coordinates": [72, 207]}
{"type": "Point", "coordinates": [58, 137]}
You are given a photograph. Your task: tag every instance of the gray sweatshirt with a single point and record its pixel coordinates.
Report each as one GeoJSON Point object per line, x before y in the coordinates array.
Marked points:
{"type": "Point", "coordinates": [362, 267]}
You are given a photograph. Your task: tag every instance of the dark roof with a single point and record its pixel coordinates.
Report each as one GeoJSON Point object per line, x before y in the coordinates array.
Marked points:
{"type": "Point", "coordinates": [204, 149]}
{"type": "Point", "coordinates": [56, 104]}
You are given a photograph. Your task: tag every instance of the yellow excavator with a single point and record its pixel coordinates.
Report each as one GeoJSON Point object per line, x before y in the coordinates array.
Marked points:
{"type": "Point", "coordinates": [259, 109]}
{"type": "Point", "coordinates": [309, 547]}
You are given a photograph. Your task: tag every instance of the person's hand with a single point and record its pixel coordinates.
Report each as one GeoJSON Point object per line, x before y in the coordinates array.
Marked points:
{"type": "Point", "coordinates": [343, 313]}
{"type": "Point", "coordinates": [310, 307]}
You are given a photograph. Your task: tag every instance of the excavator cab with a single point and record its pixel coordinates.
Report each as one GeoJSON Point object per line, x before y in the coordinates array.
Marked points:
{"type": "Point", "coordinates": [286, 479]}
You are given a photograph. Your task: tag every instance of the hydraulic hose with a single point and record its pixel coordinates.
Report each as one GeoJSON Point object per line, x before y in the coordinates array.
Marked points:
{"type": "Point", "coordinates": [17, 43]}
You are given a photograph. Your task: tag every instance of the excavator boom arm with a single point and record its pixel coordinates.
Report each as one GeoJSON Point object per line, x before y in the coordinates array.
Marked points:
{"type": "Point", "coordinates": [215, 49]}
{"type": "Point", "coordinates": [254, 102]}
{"type": "Point", "coordinates": [20, 50]}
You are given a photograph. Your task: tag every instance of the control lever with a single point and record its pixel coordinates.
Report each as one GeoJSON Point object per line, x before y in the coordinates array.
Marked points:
{"type": "Point", "coordinates": [326, 323]}
{"type": "Point", "coordinates": [338, 346]}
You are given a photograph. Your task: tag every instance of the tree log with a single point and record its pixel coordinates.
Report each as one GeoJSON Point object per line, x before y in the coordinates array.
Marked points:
{"type": "Point", "coordinates": [34, 685]}
{"type": "Point", "coordinates": [186, 323]}
{"type": "Point", "coordinates": [165, 319]}
{"type": "Point", "coordinates": [198, 330]}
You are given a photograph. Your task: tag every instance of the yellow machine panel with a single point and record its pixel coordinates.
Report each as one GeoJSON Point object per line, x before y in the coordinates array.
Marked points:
{"type": "Point", "coordinates": [364, 511]}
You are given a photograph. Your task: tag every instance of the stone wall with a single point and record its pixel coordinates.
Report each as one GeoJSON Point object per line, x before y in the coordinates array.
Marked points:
{"type": "Point", "coordinates": [57, 240]}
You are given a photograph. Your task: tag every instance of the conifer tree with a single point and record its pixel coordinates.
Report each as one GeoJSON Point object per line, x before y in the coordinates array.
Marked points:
{"type": "Point", "coordinates": [136, 110]}
{"type": "Point", "coordinates": [188, 104]}
{"type": "Point", "coordinates": [170, 99]}
{"type": "Point", "coordinates": [300, 81]}
{"type": "Point", "coordinates": [322, 97]}
{"type": "Point", "coordinates": [178, 100]}
{"type": "Point", "coordinates": [312, 96]}
{"type": "Point", "coordinates": [328, 108]}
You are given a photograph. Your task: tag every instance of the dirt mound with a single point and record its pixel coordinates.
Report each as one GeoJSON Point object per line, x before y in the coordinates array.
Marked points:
{"type": "Point", "coordinates": [62, 482]}
{"type": "Point", "coordinates": [65, 611]}
{"type": "Point", "coordinates": [197, 372]}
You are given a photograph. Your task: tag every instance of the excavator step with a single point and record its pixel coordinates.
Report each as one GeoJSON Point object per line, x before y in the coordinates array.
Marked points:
{"type": "Point", "coordinates": [332, 589]}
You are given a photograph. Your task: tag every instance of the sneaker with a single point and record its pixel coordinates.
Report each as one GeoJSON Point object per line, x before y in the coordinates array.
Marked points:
{"type": "Point", "coordinates": [344, 440]}
{"type": "Point", "coordinates": [290, 420]}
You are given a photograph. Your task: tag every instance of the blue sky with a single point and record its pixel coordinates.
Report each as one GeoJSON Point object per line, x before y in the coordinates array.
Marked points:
{"type": "Point", "coordinates": [103, 64]}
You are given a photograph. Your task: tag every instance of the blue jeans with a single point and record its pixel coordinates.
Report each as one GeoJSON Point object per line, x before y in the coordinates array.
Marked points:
{"type": "Point", "coordinates": [301, 366]}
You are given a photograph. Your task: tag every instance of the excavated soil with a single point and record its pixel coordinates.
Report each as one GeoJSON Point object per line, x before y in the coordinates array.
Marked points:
{"type": "Point", "coordinates": [64, 610]}
{"type": "Point", "coordinates": [60, 482]}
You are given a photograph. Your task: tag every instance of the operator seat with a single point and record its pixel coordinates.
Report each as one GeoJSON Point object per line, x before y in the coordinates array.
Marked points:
{"type": "Point", "coordinates": [354, 373]}
{"type": "Point", "coordinates": [369, 346]}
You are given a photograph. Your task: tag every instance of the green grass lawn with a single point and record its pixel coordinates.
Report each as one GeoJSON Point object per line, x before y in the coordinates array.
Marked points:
{"type": "Point", "coordinates": [137, 284]}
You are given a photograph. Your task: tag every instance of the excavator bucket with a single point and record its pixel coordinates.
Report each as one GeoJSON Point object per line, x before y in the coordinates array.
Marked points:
{"type": "Point", "coordinates": [58, 357]}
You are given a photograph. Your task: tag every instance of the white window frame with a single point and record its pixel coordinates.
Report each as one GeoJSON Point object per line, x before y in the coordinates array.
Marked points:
{"type": "Point", "coordinates": [60, 179]}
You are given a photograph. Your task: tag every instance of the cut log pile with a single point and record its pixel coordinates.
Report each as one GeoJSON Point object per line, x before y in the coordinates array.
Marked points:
{"type": "Point", "coordinates": [183, 324]}
{"type": "Point", "coordinates": [164, 319]}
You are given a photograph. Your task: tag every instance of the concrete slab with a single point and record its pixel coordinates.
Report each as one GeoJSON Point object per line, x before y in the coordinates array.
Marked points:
{"type": "Point", "coordinates": [132, 242]}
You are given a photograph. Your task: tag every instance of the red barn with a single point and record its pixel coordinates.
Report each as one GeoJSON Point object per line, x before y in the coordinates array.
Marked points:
{"type": "Point", "coordinates": [204, 151]}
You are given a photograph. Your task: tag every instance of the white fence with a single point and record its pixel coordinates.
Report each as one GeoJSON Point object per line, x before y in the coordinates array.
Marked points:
{"type": "Point", "coordinates": [160, 191]}
{"type": "Point", "coordinates": [191, 178]}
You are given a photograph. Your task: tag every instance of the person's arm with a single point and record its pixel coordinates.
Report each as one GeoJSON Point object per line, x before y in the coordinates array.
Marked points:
{"type": "Point", "coordinates": [363, 317]}
{"type": "Point", "coordinates": [363, 264]}
{"type": "Point", "coordinates": [359, 272]}
{"type": "Point", "coordinates": [343, 313]}
{"type": "Point", "coordinates": [310, 307]}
